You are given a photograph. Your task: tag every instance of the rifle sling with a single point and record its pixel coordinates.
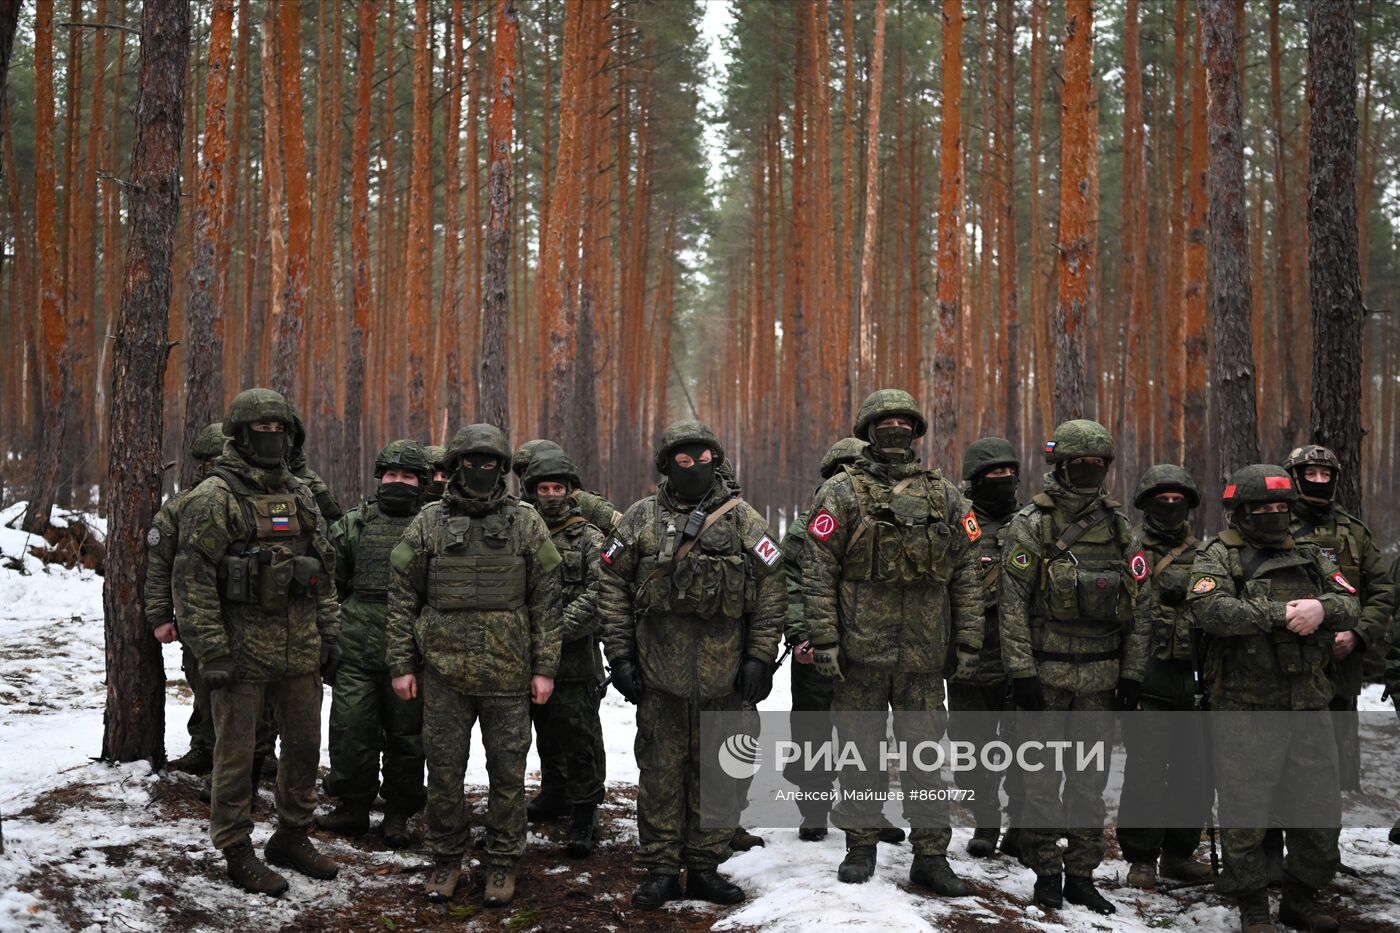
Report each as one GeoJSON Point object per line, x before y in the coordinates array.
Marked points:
{"type": "Point", "coordinates": [867, 520]}
{"type": "Point", "coordinates": [689, 543]}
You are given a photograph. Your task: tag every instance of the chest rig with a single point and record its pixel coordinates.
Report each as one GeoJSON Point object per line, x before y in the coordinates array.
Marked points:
{"type": "Point", "coordinates": [477, 563]}
{"type": "Point", "coordinates": [1338, 540]}
{"type": "Point", "coordinates": [573, 568]}
{"type": "Point", "coordinates": [1083, 589]}
{"type": "Point", "coordinates": [378, 535]}
{"type": "Point", "coordinates": [1171, 577]}
{"type": "Point", "coordinates": [710, 579]}
{"type": "Point", "coordinates": [1278, 576]}
{"type": "Point", "coordinates": [276, 560]}
{"type": "Point", "coordinates": [903, 534]}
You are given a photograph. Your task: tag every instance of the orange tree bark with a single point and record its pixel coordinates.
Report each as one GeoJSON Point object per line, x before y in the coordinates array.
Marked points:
{"type": "Point", "coordinates": [494, 391]}
{"type": "Point", "coordinates": [134, 723]}
{"type": "Point", "coordinates": [293, 143]}
{"type": "Point", "coordinates": [950, 209]}
{"type": "Point", "coordinates": [1233, 419]}
{"type": "Point", "coordinates": [419, 257]}
{"type": "Point", "coordinates": [1040, 313]}
{"type": "Point", "coordinates": [203, 364]}
{"type": "Point", "coordinates": [1075, 247]}
{"type": "Point", "coordinates": [446, 369]}
{"type": "Point", "coordinates": [1333, 264]}
{"type": "Point", "coordinates": [1006, 251]}
{"type": "Point", "coordinates": [1133, 414]}
{"type": "Point", "coordinates": [1283, 231]}
{"type": "Point", "coordinates": [361, 287]}
{"type": "Point", "coordinates": [1175, 308]}
{"type": "Point", "coordinates": [872, 197]}
{"type": "Point", "coordinates": [1197, 341]}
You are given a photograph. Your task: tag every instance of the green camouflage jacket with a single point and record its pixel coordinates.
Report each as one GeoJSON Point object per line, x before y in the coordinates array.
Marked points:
{"type": "Point", "coordinates": [363, 539]}
{"type": "Point", "coordinates": [1162, 610]}
{"type": "Point", "coordinates": [325, 499]}
{"type": "Point", "coordinates": [599, 511]}
{"type": "Point", "coordinates": [989, 671]}
{"type": "Point", "coordinates": [161, 541]}
{"type": "Point", "coordinates": [579, 543]}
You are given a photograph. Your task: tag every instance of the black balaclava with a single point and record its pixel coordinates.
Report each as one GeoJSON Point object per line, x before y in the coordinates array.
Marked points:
{"type": "Point", "coordinates": [398, 498]}
{"type": "Point", "coordinates": [1263, 529]}
{"type": "Point", "coordinates": [433, 489]}
{"type": "Point", "coordinates": [692, 482]}
{"type": "Point", "coordinates": [995, 497]}
{"type": "Point", "coordinates": [892, 442]}
{"type": "Point", "coordinates": [475, 478]}
{"type": "Point", "coordinates": [266, 449]}
{"type": "Point", "coordinates": [1085, 478]}
{"type": "Point", "coordinates": [1316, 497]}
{"type": "Point", "coordinates": [552, 508]}
{"type": "Point", "coordinates": [1166, 517]}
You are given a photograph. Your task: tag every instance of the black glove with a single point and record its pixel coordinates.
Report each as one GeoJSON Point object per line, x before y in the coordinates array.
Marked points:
{"type": "Point", "coordinates": [628, 680]}
{"type": "Point", "coordinates": [1029, 694]}
{"type": "Point", "coordinates": [219, 673]}
{"type": "Point", "coordinates": [330, 661]}
{"type": "Point", "coordinates": [755, 681]}
{"type": "Point", "coordinates": [1129, 693]}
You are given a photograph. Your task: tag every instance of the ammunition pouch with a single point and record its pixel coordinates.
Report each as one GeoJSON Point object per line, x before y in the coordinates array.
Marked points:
{"type": "Point", "coordinates": [1085, 599]}
{"type": "Point", "coordinates": [485, 582]}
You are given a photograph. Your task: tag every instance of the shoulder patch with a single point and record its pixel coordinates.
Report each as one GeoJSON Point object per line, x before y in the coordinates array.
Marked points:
{"type": "Point", "coordinates": [822, 525]}
{"type": "Point", "coordinates": [548, 555]}
{"type": "Point", "coordinates": [1204, 585]}
{"type": "Point", "coordinates": [1138, 565]}
{"type": "Point", "coordinates": [1341, 581]}
{"type": "Point", "coordinates": [969, 524]}
{"type": "Point", "coordinates": [767, 551]}
{"type": "Point", "coordinates": [611, 550]}
{"type": "Point", "coordinates": [153, 537]}
{"type": "Point", "coordinates": [401, 557]}
{"type": "Point", "coordinates": [1019, 559]}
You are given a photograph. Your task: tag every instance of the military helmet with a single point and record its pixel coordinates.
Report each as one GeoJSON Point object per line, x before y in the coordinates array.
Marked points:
{"type": "Point", "coordinates": [680, 433]}
{"type": "Point", "coordinates": [551, 465]}
{"type": "Point", "coordinates": [209, 443]}
{"type": "Point", "coordinates": [436, 455]}
{"type": "Point", "coordinates": [1259, 482]}
{"type": "Point", "coordinates": [887, 403]}
{"type": "Point", "coordinates": [1312, 455]}
{"type": "Point", "coordinates": [527, 451]}
{"type": "Point", "coordinates": [846, 450]}
{"type": "Point", "coordinates": [479, 439]}
{"type": "Point", "coordinates": [988, 453]}
{"type": "Point", "coordinates": [1166, 477]}
{"type": "Point", "coordinates": [254, 405]}
{"type": "Point", "coordinates": [404, 455]}
{"type": "Point", "coordinates": [1079, 438]}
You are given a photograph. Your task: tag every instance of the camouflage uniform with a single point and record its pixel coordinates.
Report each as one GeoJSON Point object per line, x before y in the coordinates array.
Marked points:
{"type": "Point", "coordinates": [889, 543]}
{"type": "Point", "coordinates": [1347, 542]}
{"type": "Point", "coordinates": [599, 512]}
{"type": "Point", "coordinates": [436, 455]}
{"type": "Point", "coordinates": [1067, 619]}
{"type": "Point", "coordinates": [1169, 680]}
{"type": "Point", "coordinates": [474, 607]}
{"type": "Point", "coordinates": [296, 463]}
{"type": "Point", "coordinates": [160, 607]}
{"type": "Point", "coordinates": [1238, 597]}
{"type": "Point", "coordinates": [688, 632]}
{"type": "Point", "coordinates": [367, 718]}
{"type": "Point", "coordinates": [251, 585]}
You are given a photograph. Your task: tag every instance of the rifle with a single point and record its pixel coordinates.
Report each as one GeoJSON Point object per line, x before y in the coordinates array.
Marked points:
{"type": "Point", "coordinates": [601, 690]}
{"type": "Point", "coordinates": [782, 657]}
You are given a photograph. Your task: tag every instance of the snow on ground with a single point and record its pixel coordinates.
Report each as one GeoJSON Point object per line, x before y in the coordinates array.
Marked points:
{"type": "Point", "coordinates": [89, 843]}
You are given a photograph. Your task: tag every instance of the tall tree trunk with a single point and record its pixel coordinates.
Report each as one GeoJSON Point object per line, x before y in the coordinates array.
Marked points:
{"type": "Point", "coordinates": [493, 389]}
{"type": "Point", "coordinates": [204, 392]}
{"type": "Point", "coordinates": [1333, 263]}
{"type": "Point", "coordinates": [1132, 414]}
{"type": "Point", "coordinates": [293, 143]}
{"type": "Point", "coordinates": [361, 288]}
{"type": "Point", "coordinates": [419, 258]}
{"type": "Point", "coordinates": [1197, 356]}
{"type": "Point", "coordinates": [950, 212]}
{"type": "Point", "coordinates": [1040, 312]}
{"type": "Point", "coordinates": [134, 723]}
{"type": "Point", "coordinates": [1174, 309]}
{"type": "Point", "coordinates": [872, 199]}
{"type": "Point", "coordinates": [1233, 418]}
{"type": "Point", "coordinates": [1075, 247]}
{"type": "Point", "coordinates": [1007, 296]}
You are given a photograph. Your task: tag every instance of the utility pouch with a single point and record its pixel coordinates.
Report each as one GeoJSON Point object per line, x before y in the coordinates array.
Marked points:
{"type": "Point", "coordinates": [240, 575]}
{"type": "Point", "coordinates": [275, 579]}
{"type": "Point", "coordinates": [1099, 592]}
{"type": "Point", "coordinates": [306, 575]}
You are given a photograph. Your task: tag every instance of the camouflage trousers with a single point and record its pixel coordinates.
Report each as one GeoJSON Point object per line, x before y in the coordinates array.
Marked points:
{"type": "Point", "coordinates": [238, 710]}
{"type": "Point", "coordinates": [983, 784]}
{"type": "Point", "coordinates": [811, 694]}
{"type": "Point", "coordinates": [569, 739]}
{"type": "Point", "coordinates": [1045, 804]}
{"type": "Point", "coordinates": [201, 721]}
{"type": "Point", "coordinates": [1262, 763]}
{"type": "Point", "coordinates": [672, 819]}
{"type": "Point", "coordinates": [873, 689]}
{"type": "Point", "coordinates": [1152, 745]}
{"type": "Point", "coordinates": [1346, 726]}
{"type": "Point", "coordinates": [367, 719]}
{"type": "Point", "coordinates": [448, 718]}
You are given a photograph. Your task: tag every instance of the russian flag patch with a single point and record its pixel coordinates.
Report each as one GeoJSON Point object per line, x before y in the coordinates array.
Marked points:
{"type": "Point", "coordinates": [1049, 447]}
{"type": "Point", "coordinates": [281, 523]}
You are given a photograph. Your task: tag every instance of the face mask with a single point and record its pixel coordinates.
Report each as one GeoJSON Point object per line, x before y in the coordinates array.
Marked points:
{"type": "Point", "coordinates": [552, 506]}
{"type": "Point", "coordinates": [893, 440]}
{"type": "Point", "coordinates": [996, 497]}
{"type": "Point", "coordinates": [263, 448]}
{"type": "Point", "coordinates": [398, 498]}
{"type": "Point", "coordinates": [1320, 491]}
{"type": "Point", "coordinates": [691, 483]}
{"type": "Point", "coordinates": [1086, 476]}
{"type": "Point", "coordinates": [1267, 527]}
{"type": "Point", "coordinates": [1168, 515]}
{"type": "Point", "coordinates": [477, 481]}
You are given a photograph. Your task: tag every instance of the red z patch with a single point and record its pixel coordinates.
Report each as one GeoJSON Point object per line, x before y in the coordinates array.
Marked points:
{"type": "Point", "coordinates": [822, 525]}
{"type": "Point", "coordinates": [1138, 565]}
{"type": "Point", "coordinates": [969, 523]}
{"type": "Point", "coordinates": [1341, 581]}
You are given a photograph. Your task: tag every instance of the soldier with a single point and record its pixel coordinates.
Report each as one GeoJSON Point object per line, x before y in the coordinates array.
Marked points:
{"type": "Point", "coordinates": [568, 725]}
{"type": "Point", "coordinates": [1157, 748]}
{"type": "Point", "coordinates": [296, 462]}
{"type": "Point", "coordinates": [1069, 581]}
{"type": "Point", "coordinates": [160, 608]}
{"type": "Point", "coordinates": [592, 506]}
{"type": "Point", "coordinates": [367, 718]}
{"type": "Point", "coordinates": [442, 473]}
{"type": "Point", "coordinates": [1271, 605]}
{"type": "Point", "coordinates": [248, 593]}
{"type": "Point", "coordinates": [990, 471]}
{"type": "Point", "coordinates": [811, 691]}
{"type": "Point", "coordinates": [889, 541]}
{"type": "Point", "coordinates": [474, 611]}
{"type": "Point", "coordinates": [691, 603]}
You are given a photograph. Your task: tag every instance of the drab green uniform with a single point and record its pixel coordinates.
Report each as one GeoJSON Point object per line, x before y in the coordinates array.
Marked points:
{"type": "Point", "coordinates": [367, 717]}
{"type": "Point", "coordinates": [688, 631]}
{"type": "Point", "coordinates": [1238, 596]}
{"type": "Point", "coordinates": [1068, 618]}
{"type": "Point", "coordinates": [474, 606]}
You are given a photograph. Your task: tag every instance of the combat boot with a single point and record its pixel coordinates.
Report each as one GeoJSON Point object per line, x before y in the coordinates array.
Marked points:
{"type": "Point", "coordinates": [195, 761]}
{"type": "Point", "coordinates": [1182, 869]}
{"type": "Point", "coordinates": [395, 829]}
{"type": "Point", "coordinates": [812, 833]}
{"type": "Point", "coordinates": [347, 819]}
{"type": "Point", "coordinates": [1273, 856]}
{"type": "Point", "coordinates": [1395, 834]}
{"type": "Point", "coordinates": [858, 865]}
{"type": "Point", "coordinates": [1049, 891]}
{"type": "Point", "coordinates": [258, 762]}
{"type": "Point", "coordinates": [933, 871]}
{"type": "Point", "coordinates": [706, 884]}
{"type": "Point", "coordinates": [1254, 913]}
{"type": "Point", "coordinates": [1143, 875]}
{"type": "Point", "coordinates": [583, 829]}
{"type": "Point", "coordinates": [250, 873]}
{"type": "Point", "coordinates": [266, 766]}
{"type": "Point", "coordinates": [500, 885]}
{"type": "Point", "coordinates": [655, 890]}
{"type": "Point", "coordinates": [983, 843]}
{"type": "Point", "coordinates": [1011, 844]}
{"type": "Point", "coordinates": [890, 833]}
{"type": "Point", "coordinates": [442, 883]}
{"type": "Point", "coordinates": [547, 805]}
{"type": "Point", "coordinates": [743, 840]}
{"type": "Point", "coordinates": [291, 848]}
{"type": "Point", "coordinates": [1080, 890]}
{"type": "Point", "coordinates": [1300, 910]}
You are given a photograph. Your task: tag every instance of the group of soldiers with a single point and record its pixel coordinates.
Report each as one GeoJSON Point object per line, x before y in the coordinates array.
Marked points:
{"type": "Point", "coordinates": [456, 602]}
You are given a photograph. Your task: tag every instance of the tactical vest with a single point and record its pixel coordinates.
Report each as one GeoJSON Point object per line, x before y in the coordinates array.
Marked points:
{"type": "Point", "coordinates": [379, 532]}
{"type": "Point", "coordinates": [989, 566]}
{"type": "Point", "coordinates": [1277, 652]}
{"type": "Point", "coordinates": [712, 581]}
{"type": "Point", "coordinates": [1171, 620]}
{"type": "Point", "coordinates": [906, 534]}
{"type": "Point", "coordinates": [1339, 540]}
{"type": "Point", "coordinates": [573, 569]}
{"type": "Point", "coordinates": [277, 561]}
{"type": "Point", "coordinates": [1083, 592]}
{"type": "Point", "coordinates": [477, 563]}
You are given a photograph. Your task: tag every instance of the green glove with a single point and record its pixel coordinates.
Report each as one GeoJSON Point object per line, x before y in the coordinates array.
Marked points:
{"type": "Point", "coordinates": [219, 673]}
{"type": "Point", "coordinates": [827, 660]}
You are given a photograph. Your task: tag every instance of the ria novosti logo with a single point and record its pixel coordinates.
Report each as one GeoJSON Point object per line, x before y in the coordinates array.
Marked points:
{"type": "Point", "coordinates": [740, 757]}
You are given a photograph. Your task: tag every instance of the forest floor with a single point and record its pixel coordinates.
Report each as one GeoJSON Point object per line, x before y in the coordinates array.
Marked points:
{"type": "Point", "coordinates": [93, 846]}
